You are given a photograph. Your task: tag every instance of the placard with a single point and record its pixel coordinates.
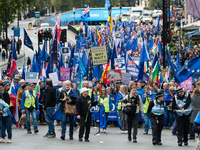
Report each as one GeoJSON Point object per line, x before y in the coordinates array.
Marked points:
{"type": "Point", "coordinates": [120, 64]}
{"type": "Point", "coordinates": [54, 78]}
{"type": "Point", "coordinates": [99, 55]}
{"type": "Point", "coordinates": [64, 73]}
{"type": "Point", "coordinates": [31, 77]}
{"type": "Point", "coordinates": [113, 75]}
{"type": "Point", "coordinates": [126, 78]}
{"type": "Point", "coordinates": [187, 84]}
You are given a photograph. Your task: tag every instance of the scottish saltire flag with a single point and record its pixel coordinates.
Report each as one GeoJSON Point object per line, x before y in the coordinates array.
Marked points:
{"type": "Point", "coordinates": [86, 13]}
{"type": "Point", "coordinates": [107, 4]}
{"type": "Point", "coordinates": [15, 104]}
{"type": "Point", "coordinates": [12, 65]}
{"type": "Point", "coordinates": [27, 41]}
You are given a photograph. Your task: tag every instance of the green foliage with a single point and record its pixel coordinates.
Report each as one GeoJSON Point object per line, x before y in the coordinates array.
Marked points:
{"type": "Point", "coordinates": [13, 7]}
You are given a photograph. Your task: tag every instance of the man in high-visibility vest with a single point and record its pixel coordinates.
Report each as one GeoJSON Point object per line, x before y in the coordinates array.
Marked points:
{"type": "Point", "coordinates": [30, 105]}
{"type": "Point", "coordinates": [147, 98]}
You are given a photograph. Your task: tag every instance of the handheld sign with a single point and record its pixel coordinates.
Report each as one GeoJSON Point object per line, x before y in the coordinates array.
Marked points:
{"type": "Point", "coordinates": [31, 77]}
{"type": "Point", "coordinates": [99, 55]}
{"type": "Point", "coordinates": [113, 75]}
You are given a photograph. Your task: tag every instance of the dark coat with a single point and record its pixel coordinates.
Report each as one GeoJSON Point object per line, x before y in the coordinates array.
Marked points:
{"type": "Point", "coordinates": [5, 97]}
{"type": "Point", "coordinates": [73, 95]}
{"type": "Point", "coordinates": [49, 99]}
{"type": "Point", "coordinates": [84, 104]}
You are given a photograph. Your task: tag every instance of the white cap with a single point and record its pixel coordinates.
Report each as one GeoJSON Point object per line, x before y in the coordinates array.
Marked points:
{"type": "Point", "coordinates": [84, 90]}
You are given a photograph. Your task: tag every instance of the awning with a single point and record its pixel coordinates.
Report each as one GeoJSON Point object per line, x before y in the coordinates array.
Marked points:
{"type": "Point", "coordinates": [192, 26]}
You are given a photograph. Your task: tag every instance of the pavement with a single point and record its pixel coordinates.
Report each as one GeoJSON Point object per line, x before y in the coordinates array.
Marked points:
{"type": "Point", "coordinates": [19, 56]}
{"type": "Point", "coordinates": [113, 140]}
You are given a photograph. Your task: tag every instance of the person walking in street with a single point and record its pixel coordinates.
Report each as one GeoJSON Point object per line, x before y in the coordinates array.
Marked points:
{"type": "Point", "coordinates": [156, 110]}
{"type": "Point", "coordinates": [30, 105]}
{"type": "Point", "coordinates": [83, 106]}
{"type": "Point", "coordinates": [5, 122]}
{"type": "Point", "coordinates": [105, 101]}
{"type": "Point", "coordinates": [41, 115]}
{"type": "Point", "coordinates": [133, 100]}
{"type": "Point", "coordinates": [68, 95]}
{"type": "Point", "coordinates": [147, 98]}
{"type": "Point", "coordinates": [123, 92]}
{"type": "Point", "coordinates": [181, 106]}
{"type": "Point", "coordinates": [49, 102]}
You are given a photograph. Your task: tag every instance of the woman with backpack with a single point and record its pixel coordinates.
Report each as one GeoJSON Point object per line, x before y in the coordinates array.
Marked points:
{"type": "Point", "coordinates": [132, 100]}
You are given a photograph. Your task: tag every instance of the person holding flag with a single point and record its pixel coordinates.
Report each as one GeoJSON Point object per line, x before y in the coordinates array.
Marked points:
{"type": "Point", "coordinates": [105, 102]}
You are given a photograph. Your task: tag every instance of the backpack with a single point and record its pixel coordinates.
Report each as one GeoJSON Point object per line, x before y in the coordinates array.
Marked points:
{"type": "Point", "coordinates": [57, 96]}
{"type": "Point", "coordinates": [131, 110]}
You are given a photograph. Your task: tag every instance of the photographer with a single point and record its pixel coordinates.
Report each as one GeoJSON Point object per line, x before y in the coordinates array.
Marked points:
{"type": "Point", "coordinates": [133, 100]}
{"type": "Point", "coordinates": [68, 95]}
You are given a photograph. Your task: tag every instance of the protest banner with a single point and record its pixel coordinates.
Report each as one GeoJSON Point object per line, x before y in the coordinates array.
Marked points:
{"type": "Point", "coordinates": [126, 78]}
{"type": "Point", "coordinates": [113, 75]}
{"type": "Point", "coordinates": [120, 64]}
{"type": "Point", "coordinates": [99, 55]}
{"type": "Point", "coordinates": [112, 116]}
{"type": "Point", "coordinates": [132, 68]}
{"type": "Point", "coordinates": [64, 73]}
{"type": "Point", "coordinates": [31, 77]}
{"type": "Point", "coordinates": [187, 84]}
{"type": "Point", "coordinates": [54, 78]}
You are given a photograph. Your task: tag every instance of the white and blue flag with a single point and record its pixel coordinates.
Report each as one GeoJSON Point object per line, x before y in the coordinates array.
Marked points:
{"type": "Point", "coordinates": [86, 13]}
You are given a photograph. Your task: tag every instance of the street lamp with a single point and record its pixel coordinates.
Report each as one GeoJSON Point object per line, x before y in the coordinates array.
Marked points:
{"type": "Point", "coordinates": [74, 11]}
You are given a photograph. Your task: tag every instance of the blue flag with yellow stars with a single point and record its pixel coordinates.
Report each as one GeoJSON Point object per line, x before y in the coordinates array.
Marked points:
{"type": "Point", "coordinates": [53, 53]}
{"type": "Point", "coordinates": [189, 69]}
{"type": "Point", "coordinates": [90, 66]}
{"type": "Point", "coordinates": [27, 41]}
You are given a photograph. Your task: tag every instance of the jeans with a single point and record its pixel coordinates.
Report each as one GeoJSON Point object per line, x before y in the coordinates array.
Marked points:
{"type": "Point", "coordinates": [49, 113]}
{"type": "Point", "coordinates": [33, 113]}
{"type": "Point", "coordinates": [64, 124]}
{"type": "Point", "coordinates": [6, 125]}
{"type": "Point", "coordinates": [171, 118]}
{"type": "Point", "coordinates": [123, 120]}
{"type": "Point", "coordinates": [0, 126]}
{"type": "Point", "coordinates": [146, 122]}
{"type": "Point", "coordinates": [174, 130]}
{"type": "Point", "coordinates": [41, 115]}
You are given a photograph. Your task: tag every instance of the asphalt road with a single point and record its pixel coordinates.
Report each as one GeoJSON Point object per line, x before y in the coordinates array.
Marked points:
{"type": "Point", "coordinates": [114, 140]}
{"type": "Point", "coordinates": [33, 36]}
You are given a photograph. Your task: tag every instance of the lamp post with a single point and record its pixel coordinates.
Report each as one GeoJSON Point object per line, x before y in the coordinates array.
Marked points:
{"type": "Point", "coordinates": [74, 11]}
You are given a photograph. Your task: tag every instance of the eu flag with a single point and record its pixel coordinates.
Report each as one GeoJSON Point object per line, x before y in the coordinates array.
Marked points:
{"type": "Point", "coordinates": [90, 66]}
{"type": "Point", "coordinates": [44, 55]}
{"type": "Point", "coordinates": [189, 69]}
{"type": "Point", "coordinates": [71, 60]}
{"type": "Point", "coordinates": [53, 52]}
{"type": "Point", "coordinates": [113, 56]}
{"type": "Point", "coordinates": [27, 40]}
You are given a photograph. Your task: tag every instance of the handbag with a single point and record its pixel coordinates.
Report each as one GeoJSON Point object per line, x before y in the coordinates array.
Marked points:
{"type": "Point", "coordinates": [130, 110]}
{"type": "Point", "coordinates": [70, 109]}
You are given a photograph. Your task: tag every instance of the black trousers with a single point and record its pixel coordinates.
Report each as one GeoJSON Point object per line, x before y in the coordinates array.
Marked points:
{"type": "Point", "coordinates": [182, 127]}
{"type": "Point", "coordinates": [41, 115]}
{"type": "Point", "coordinates": [85, 125]}
{"type": "Point", "coordinates": [132, 121]}
{"type": "Point", "coordinates": [157, 123]}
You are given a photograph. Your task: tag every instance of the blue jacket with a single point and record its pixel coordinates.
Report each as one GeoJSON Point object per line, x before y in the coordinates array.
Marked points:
{"type": "Point", "coordinates": [168, 99]}
{"type": "Point", "coordinates": [140, 92]}
{"type": "Point", "coordinates": [118, 98]}
{"type": "Point", "coordinates": [23, 100]}
{"type": "Point", "coordinates": [5, 108]}
{"type": "Point", "coordinates": [151, 95]}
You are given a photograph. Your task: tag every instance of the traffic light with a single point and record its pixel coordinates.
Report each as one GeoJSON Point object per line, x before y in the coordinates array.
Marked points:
{"type": "Point", "coordinates": [63, 36]}
{"type": "Point", "coordinates": [40, 37]}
